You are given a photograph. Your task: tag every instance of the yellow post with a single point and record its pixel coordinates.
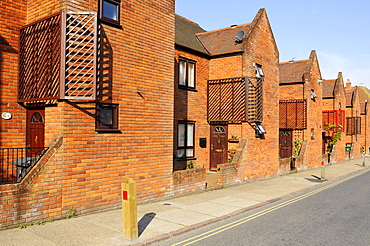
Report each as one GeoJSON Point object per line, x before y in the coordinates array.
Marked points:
{"type": "Point", "coordinates": [129, 210]}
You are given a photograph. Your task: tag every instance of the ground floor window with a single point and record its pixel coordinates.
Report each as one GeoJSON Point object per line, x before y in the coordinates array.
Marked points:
{"type": "Point", "coordinates": [106, 117]}
{"type": "Point", "coordinates": [185, 139]}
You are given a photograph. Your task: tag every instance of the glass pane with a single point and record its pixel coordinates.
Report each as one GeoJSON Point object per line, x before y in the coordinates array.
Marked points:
{"type": "Point", "coordinates": [36, 118]}
{"type": "Point", "coordinates": [180, 153]}
{"type": "Point", "coordinates": [190, 135]}
{"type": "Point", "coordinates": [181, 136]}
{"type": "Point", "coordinates": [110, 10]}
{"type": "Point", "coordinates": [189, 153]}
{"type": "Point", "coordinates": [182, 70]}
{"type": "Point", "coordinates": [191, 74]}
{"type": "Point", "coordinates": [106, 116]}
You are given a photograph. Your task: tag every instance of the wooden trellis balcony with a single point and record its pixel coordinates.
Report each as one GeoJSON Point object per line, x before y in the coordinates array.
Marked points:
{"type": "Point", "coordinates": [235, 100]}
{"type": "Point", "coordinates": [293, 114]}
{"type": "Point", "coordinates": [335, 118]}
{"type": "Point", "coordinates": [58, 58]}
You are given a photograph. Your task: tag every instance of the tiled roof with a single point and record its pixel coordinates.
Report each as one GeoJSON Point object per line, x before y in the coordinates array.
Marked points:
{"type": "Point", "coordinates": [223, 41]}
{"type": "Point", "coordinates": [292, 72]}
{"type": "Point", "coordinates": [328, 88]}
{"type": "Point", "coordinates": [363, 93]}
{"type": "Point", "coordinates": [185, 31]}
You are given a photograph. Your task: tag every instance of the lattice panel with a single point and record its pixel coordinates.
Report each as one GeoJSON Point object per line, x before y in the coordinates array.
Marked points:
{"type": "Point", "coordinates": [255, 99]}
{"type": "Point", "coordinates": [293, 114]}
{"type": "Point", "coordinates": [334, 117]}
{"type": "Point", "coordinates": [79, 50]}
{"type": "Point", "coordinates": [227, 100]}
{"type": "Point", "coordinates": [39, 60]}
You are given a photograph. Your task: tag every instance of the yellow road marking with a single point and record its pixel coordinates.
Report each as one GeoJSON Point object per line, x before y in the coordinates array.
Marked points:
{"type": "Point", "coordinates": [256, 215]}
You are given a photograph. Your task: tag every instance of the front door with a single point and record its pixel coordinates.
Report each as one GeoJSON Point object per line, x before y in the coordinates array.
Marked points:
{"type": "Point", "coordinates": [285, 143]}
{"type": "Point", "coordinates": [218, 145]}
{"type": "Point", "coordinates": [35, 130]}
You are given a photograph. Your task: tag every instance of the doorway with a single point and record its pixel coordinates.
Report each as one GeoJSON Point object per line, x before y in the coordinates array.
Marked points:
{"type": "Point", "coordinates": [285, 143]}
{"type": "Point", "coordinates": [35, 130]}
{"type": "Point", "coordinates": [218, 145]}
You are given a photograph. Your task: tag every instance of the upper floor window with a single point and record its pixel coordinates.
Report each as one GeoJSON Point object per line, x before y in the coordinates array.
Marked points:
{"type": "Point", "coordinates": [110, 11]}
{"type": "Point", "coordinates": [187, 73]}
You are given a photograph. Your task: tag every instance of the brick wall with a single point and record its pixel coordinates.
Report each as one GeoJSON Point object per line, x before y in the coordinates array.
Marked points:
{"type": "Point", "coordinates": [188, 181]}
{"type": "Point", "coordinates": [87, 170]}
{"type": "Point", "coordinates": [192, 106]}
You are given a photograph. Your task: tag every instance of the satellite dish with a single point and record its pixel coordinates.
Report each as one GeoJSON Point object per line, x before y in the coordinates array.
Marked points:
{"type": "Point", "coordinates": [239, 36]}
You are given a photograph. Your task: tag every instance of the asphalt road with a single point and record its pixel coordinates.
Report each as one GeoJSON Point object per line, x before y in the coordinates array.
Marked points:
{"type": "Point", "coordinates": [335, 214]}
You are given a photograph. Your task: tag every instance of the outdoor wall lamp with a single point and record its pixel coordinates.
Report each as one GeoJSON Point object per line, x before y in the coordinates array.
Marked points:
{"type": "Point", "coordinates": [259, 130]}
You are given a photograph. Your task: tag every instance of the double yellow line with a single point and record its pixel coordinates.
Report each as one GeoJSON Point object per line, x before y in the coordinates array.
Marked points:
{"type": "Point", "coordinates": [256, 215]}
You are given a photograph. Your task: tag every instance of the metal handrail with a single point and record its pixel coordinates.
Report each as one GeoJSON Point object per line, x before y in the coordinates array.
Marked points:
{"type": "Point", "coordinates": [15, 163]}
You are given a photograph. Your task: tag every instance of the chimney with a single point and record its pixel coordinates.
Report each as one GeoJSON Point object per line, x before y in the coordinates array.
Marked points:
{"type": "Point", "coordinates": [348, 84]}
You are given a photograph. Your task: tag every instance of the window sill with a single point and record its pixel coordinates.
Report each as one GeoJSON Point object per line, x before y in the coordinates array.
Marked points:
{"type": "Point", "coordinates": [186, 159]}
{"type": "Point", "coordinates": [108, 130]}
{"type": "Point", "coordinates": [112, 24]}
{"type": "Point", "coordinates": [187, 88]}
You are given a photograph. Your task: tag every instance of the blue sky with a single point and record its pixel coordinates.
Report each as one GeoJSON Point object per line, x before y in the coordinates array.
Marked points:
{"type": "Point", "coordinates": [338, 30]}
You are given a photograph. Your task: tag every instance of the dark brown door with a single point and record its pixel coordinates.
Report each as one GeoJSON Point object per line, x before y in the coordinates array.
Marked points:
{"type": "Point", "coordinates": [285, 143]}
{"type": "Point", "coordinates": [35, 130]}
{"type": "Point", "coordinates": [218, 145]}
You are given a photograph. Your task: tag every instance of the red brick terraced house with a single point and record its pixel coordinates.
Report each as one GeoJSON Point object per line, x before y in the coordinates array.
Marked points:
{"type": "Point", "coordinates": [300, 113]}
{"type": "Point", "coordinates": [364, 97]}
{"type": "Point", "coordinates": [86, 98]}
{"type": "Point", "coordinates": [334, 120]}
{"type": "Point", "coordinates": [354, 122]}
{"type": "Point", "coordinates": [226, 91]}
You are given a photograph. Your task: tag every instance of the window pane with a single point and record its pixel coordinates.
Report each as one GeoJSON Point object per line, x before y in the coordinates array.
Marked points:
{"type": "Point", "coordinates": [110, 10]}
{"type": "Point", "coordinates": [191, 74]}
{"type": "Point", "coordinates": [189, 153]}
{"type": "Point", "coordinates": [180, 153]}
{"type": "Point", "coordinates": [181, 135]}
{"type": "Point", "coordinates": [182, 73]}
{"type": "Point", "coordinates": [106, 116]}
{"type": "Point", "coordinates": [190, 135]}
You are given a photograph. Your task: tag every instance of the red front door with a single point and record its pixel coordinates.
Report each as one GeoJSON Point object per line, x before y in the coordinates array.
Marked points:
{"type": "Point", "coordinates": [35, 130]}
{"type": "Point", "coordinates": [218, 145]}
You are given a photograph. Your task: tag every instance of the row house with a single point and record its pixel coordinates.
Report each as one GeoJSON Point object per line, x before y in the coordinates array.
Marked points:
{"type": "Point", "coordinates": [334, 120]}
{"type": "Point", "coordinates": [364, 97]}
{"type": "Point", "coordinates": [226, 85]}
{"type": "Point", "coordinates": [354, 137]}
{"type": "Point", "coordinates": [86, 101]}
{"type": "Point", "coordinates": [300, 105]}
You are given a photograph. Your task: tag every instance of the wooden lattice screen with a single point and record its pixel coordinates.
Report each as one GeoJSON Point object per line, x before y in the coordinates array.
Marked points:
{"type": "Point", "coordinates": [235, 100]}
{"type": "Point", "coordinates": [58, 58]}
{"type": "Point", "coordinates": [39, 60]}
{"type": "Point", "coordinates": [293, 114]}
{"type": "Point", "coordinates": [334, 117]}
{"type": "Point", "coordinates": [79, 44]}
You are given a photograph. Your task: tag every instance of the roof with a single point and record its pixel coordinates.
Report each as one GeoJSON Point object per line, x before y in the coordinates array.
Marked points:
{"type": "Point", "coordinates": [328, 88]}
{"type": "Point", "coordinates": [293, 71]}
{"type": "Point", "coordinates": [185, 31]}
{"type": "Point", "coordinates": [222, 41]}
{"type": "Point", "coordinates": [349, 97]}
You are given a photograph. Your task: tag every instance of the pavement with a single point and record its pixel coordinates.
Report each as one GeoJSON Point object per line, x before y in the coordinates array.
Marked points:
{"type": "Point", "coordinates": [167, 218]}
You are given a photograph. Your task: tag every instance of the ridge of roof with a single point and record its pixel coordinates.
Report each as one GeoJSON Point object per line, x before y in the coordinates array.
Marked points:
{"type": "Point", "coordinates": [224, 29]}
{"type": "Point", "coordinates": [290, 62]}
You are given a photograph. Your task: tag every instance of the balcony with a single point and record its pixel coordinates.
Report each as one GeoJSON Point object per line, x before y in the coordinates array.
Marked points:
{"type": "Point", "coordinates": [332, 120]}
{"type": "Point", "coordinates": [293, 114]}
{"type": "Point", "coordinates": [58, 58]}
{"type": "Point", "coordinates": [235, 100]}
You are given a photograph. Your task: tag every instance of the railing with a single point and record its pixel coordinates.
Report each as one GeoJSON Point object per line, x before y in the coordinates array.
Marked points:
{"type": "Point", "coordinates": [16, 162]}
{"type": "Point", "coordinates": [293, 114]}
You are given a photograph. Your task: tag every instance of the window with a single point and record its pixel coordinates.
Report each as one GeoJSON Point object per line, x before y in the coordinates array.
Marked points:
{"type": "Point", "coordinates": [107, 117]}
{"type": "Point", "coordinates": [353, 125]}
{"type": "Point", "coordinates": [110, 11]}
{"type": "Point", "coordinates": [185, 139]}
{"type": "Point", "coordinates": [187, 73]}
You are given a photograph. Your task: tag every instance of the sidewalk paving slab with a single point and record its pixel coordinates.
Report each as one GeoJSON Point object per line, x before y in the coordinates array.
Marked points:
{"type": "Point", "coordinates": [174, 216]}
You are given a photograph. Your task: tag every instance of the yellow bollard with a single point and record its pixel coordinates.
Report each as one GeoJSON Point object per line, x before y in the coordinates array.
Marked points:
{"type": "Point", "coordinates": [129, 210]}
{"type": "Point", "coordinates": [322, 170]}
